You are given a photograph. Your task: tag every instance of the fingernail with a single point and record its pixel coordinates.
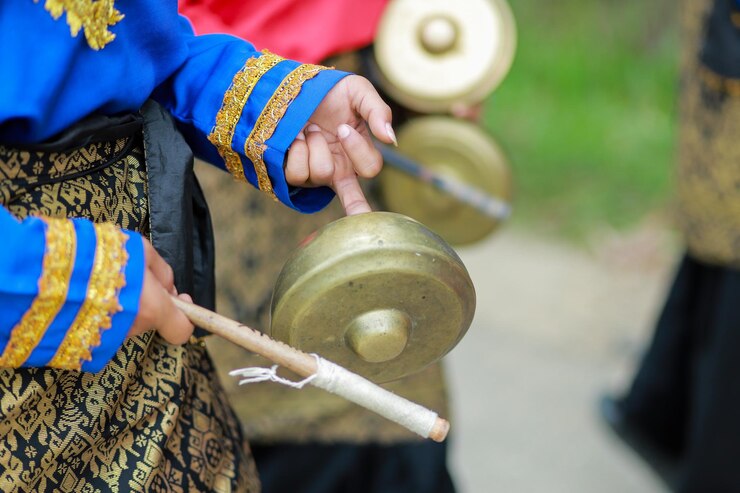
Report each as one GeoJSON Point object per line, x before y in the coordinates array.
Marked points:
{"type": "Point", "coordinates": [391, 133]}
{"type": "Point", "coordinates": [300, 136]}
{"type": "Point", "coordinates": [343, 131]}
{"type": "Point", "coordinates": [313, 128]}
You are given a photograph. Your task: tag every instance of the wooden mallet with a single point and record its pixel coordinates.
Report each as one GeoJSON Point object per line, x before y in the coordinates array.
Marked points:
{"type": "Point", "coordinates": [322, 373]}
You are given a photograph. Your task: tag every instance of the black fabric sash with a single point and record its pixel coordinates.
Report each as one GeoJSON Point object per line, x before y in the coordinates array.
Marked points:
{"type": "Point", "coordinates": [181, 227]}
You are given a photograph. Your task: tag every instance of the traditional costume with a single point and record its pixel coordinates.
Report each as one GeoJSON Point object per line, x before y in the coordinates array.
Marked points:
{"type": "Point", "coordinates": [100, 104]}
{"type": "Point", "coordinates": [331, 444]}
{"type": "Point", "coordinates": [685, 399]}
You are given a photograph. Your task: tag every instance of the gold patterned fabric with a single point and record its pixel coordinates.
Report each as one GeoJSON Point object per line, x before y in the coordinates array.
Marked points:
{"type": "Point", "coordinates": [154, 419]}
{"type": "Point", "coordinates": [708, 176]}
{"type": "Point", "coordinates": [250, 254]}
{"type": "Point", "coordinates": [103, 181]}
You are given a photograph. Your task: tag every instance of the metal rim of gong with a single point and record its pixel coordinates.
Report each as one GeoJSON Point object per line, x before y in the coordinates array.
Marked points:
{"type": "Point", "coordinates": [377, 293]}
{"type": "Point", "coordinates": [434, 54]}
{"type": "Point", "coordinates": [457, 149]}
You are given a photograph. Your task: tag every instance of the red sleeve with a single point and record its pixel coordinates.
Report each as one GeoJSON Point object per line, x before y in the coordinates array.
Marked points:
{"type": "Point", "coordinates": [305, 30]}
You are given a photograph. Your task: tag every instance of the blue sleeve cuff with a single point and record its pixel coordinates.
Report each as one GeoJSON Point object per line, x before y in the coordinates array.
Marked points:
{"type": "Point", "coordinates": [69, 293]}
{"type": "Point", "coordinates": [21, 257]}
{"type": "Point", "coordinates": [77, 291]}
{"type": "Point", "coordinates": [227, 95]}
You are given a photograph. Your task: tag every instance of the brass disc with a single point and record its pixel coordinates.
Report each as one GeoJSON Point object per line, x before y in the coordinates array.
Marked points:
{"type": "Point", "coordinates": [377, 293]}
{"type": "Point", "coordinates": [433, 54]}
{"type": "Point", "coordinates": [456, 149]}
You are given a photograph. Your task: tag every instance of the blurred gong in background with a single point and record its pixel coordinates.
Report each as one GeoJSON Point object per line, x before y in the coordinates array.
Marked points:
{"type": "Point", "coordinates": [436, 56]}
{"type": "Point", "coordinates": [470, 178]}
{"type": "Point", "coordinates": [433, 54]}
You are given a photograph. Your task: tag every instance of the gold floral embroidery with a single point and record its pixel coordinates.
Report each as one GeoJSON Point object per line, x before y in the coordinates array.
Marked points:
{"type": "Point", "coordinates": [92, 16]}
{"type": "Point", "coordinates": [232, 107]}
{"type": "Point", "coordinates": [735, 16]}
{"type": "Point", "coordinates": [255, 146]}
{"type": "Point", "coordinates": [101, 301]}
{"type": "Point", "coordinates": [719, 83]}
{"type": "Point", "coordinates": [53, 286]}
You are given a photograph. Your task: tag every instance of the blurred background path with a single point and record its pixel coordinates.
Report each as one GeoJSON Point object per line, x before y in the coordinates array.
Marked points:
{"type": "Point", "coordinates": [568, 292]}
{"type": "Point", "coordinates": [556, 326]}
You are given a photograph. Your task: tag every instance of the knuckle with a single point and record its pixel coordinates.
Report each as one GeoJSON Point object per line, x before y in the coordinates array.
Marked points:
{"type": "Point", "coordinates": [169, 277]}
{"type": "Point", "coordinates": [177, 330]}
{"type": "Point", "coordinates": [314, 139]}
{"type": "Point", "coordinates": [373, 167]}
{"type": "Point", "coordinates": [296, 174]}
{"type": "Point", "coordinates": [322, 172]}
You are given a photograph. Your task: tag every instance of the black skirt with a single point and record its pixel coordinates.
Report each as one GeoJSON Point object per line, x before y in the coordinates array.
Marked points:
{"type": "Point", "coordinates": [686, 394]}
{"type": "Point", "coordinates": [410, 467]}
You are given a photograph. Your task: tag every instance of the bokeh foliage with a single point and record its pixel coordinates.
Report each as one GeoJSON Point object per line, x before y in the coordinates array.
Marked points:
{"type": "Point", "coordinates": [587, 113]}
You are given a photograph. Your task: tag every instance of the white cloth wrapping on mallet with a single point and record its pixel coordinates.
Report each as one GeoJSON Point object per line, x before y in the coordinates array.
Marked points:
{"type": "Point", "coordinates": [337, 380]}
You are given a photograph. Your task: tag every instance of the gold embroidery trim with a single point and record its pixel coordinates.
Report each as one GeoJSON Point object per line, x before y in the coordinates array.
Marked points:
{"type": "Point", "coordinates": [101, 301]}
{"type": "Point", "coordinates": [235, 98]}
{"type": "Point", "coordinates": [274, 110]}
{"type": "Point", "coordinates": [92, 16]}
{"type": "Point", "coordinates": [53, 285]}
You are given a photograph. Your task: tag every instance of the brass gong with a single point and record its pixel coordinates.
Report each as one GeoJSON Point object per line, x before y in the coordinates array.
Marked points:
{"type": "Point", "coordinates": [463, 152]}
{"type": "Point", "coordinates": [433, 54]}
{"type": "Point", "coordinates": [377, 293]}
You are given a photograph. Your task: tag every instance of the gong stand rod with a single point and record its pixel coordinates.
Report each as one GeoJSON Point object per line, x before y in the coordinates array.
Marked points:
{"type": "Point", "coordinates": [483, 202]}
{"type": "Point", "coordinates": [323, 373]}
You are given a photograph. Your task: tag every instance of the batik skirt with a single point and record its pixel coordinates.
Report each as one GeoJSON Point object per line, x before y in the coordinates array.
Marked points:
{"type": "Point", "coordinates": [155, 418]}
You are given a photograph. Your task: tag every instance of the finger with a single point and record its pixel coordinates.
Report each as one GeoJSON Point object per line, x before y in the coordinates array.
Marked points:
{"type": "Point", "coordinates": [146, 317]}
{"type": "Point", "coordinates": [372, 109]}
{"type": "Point", "coordinates": [366, 160]}
{"type": "Point", "coordinates": [160, 268]}
{"type": "Point", "coordinates": [144, 322]}
{"type": "Point", "coordinates": [320, 158]}
{"type": "Point", "coordinates": [296, 166]}
{"type": "Point", "coordinates": [467, 111]}
{"type": "Point", "coordinates": [185, 297]}
{"type": "Point", "coordinates": [350, 195]}
{"type": "Point", "coordinates": [171, 323]}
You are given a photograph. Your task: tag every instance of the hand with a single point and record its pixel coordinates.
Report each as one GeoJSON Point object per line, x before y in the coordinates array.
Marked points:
{"type": "Point", "coordinates": [156, 309]}
{"type": "Point", "coordinates": [474, 112]}
{"type": "Point", "coordinates": [335, 146]}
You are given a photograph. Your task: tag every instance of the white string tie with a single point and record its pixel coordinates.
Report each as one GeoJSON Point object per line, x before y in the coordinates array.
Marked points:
{"type": "Point", "coordinates": [257, 374]}
{"type": "Point", "coordinates": [337, 380]}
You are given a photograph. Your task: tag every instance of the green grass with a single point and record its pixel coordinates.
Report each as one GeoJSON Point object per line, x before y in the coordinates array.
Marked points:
{"type": "Point", "coordinates": [587, 113]}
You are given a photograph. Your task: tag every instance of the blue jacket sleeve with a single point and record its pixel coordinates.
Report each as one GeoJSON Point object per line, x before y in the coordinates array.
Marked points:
{"type": "Point", "coordinates": [69, 291]}
{"type": "Point", "coordinates": [241, 109]}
